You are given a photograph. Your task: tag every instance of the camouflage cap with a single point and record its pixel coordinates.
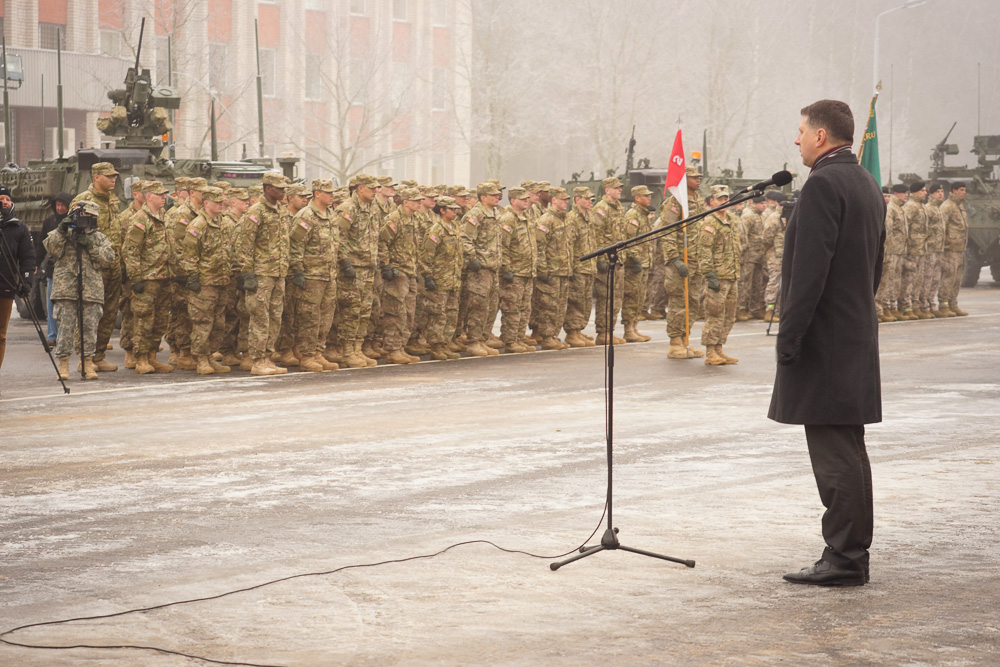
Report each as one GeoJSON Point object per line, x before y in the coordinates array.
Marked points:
{"type": "Point", "coordinates": [255, 191]}
{"type": "Point", "coordinates": [487, 188]}
{"type": "Point", "coordinates": [103, 169]}
{"type": "Point", "coordinates": [426, 191]}
{"type": "Point", "coordinates": [154, 188]}
{"type": "Point", "coordinates": [719, 191]}
{"type": "Point", "coordinates": [322, 185]}
{"type": "Point", "coordinates": [693, 171]}
{"type": "Point", "coordinates": [88, 207]}
{"type": "Point", "coordinates": [527, 185]}
{"type": "Point", "coordinates": [222, 185]}
{"type": "Point", "coordinates": [210, 193]}
{"type": "Point", "coordinates": [411, 194]}
{"type": "Point", "coordinates": [275, 179]}
{"type": "Point", "coordinates": [611, 182]}
{"type": "Point", "coordinates": [447, 202]}
{"type": "Point", "coordinates": [197, 184]}
{"type": "Point", "coordinates": [298, 190]}
{"type": "Point", "coordinates": [558, 193]}
{"type": "Point", "coordinates": [408, 183]}
{"type": "Point", "coordinates": [518, 193]}
{"type": "Point", "coordinates": [366, 180]}
{"type": "Point", "coordinates": [496, 182]}
{"type": "Point", "coordinates": [387, 182]}
{"type": "Point", "coordinates": [583, 192]}
{"type": "Point", "coordinates": [181, 183]}
{"type": "Point", "coordinates": [238, 193]}
{"type": "Point", "coordinates": [464, 192]}
{"type": "Point", "coordinates": [641, 191]}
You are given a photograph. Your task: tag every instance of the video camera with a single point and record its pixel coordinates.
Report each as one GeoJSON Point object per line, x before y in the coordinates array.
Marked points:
{"type": "Point", "coordinates": [79, 221]}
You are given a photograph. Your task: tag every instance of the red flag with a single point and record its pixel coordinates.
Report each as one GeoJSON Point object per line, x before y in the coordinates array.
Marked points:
{"type": "Point", "coordinates": [676, 181]}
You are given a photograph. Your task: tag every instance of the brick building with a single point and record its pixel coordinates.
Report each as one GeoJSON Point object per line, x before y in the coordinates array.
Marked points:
{"type": "Point", "coordinates": [348, 85]}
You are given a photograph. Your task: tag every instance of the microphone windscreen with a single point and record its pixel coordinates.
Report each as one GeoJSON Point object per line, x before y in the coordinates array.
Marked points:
{"type": "Point", "coordinates": [782, 178]}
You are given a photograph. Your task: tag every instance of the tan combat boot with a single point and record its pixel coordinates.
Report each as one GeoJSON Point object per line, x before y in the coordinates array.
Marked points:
{"type": "Point", "coordinates": [416, 348]}
{"type": "Point", "coordinates": [439, 352]}
{"type": "Point", "coordinates": [477, 349]}
{"type": "Point", "coordinates": [142, 365]}
{"type": "Point", "coordinates": [285, 358]}
{"type": "Point", "coordinates": [695, 353]}
{"type": "Point", "coordinates": [771, 314]}
{"type": "Point", "coordinates": [90, 369]}
{"type": "Point", "coordinates": [218, 367]}
{"type": "Point", "coordinates": [246, 363]}
{"type": "Point", "coordinates": [334, 354]}
{"type": "Point", "coordinates": [398, 357]}
{"type": "Point", "coordinates": [551, 343]}
{"type": "Point", "coordinates": [353, 357]}
{"type": "Point", "coordinates": [230, 359]}
{"type": "Point", "coordinates": [958, 311]}
{"type": "Point", "coordinates": [185, 361]}
{"type": "Point", "coordinates": [643, 337]}
{"type": "Point", "coordinates": [602, 339]}
{"type": "Point", "coordinates": [369, 362]}
{"type": "Point", "coordinates": [106, 367]}
{"type": "Point", "coordinates": [129, 359]}
{"type": "Point", "coordinates": [327, 365]}
{"type": "Point", "coordinates": [63, 368]}
{"type": "Point", "coordinates": [278, 370]}
{"type": "Point", "coordinates": [729, 360]}
{"type": "Point", "coordinates": [201, 365]}
{"type": "Point", "coordinates": [713, 358]}
{"type": "Point", "coordinates": [575, 339]}
{"type": "Point", "coordinates": [677, 349]}
{"type": "Point", "coordinates": [157, 366]}
{"type": "Point", "coordinates": [261, 367]}
{"type": "Point", "coordinates": [528, 345]}
{"type": "Point", "coordinates": [743, 315]}
{"type": "Point", "coordinates": [311, 364]}
{"type": "Point", "coordinates": [454, 346]}
{"type": "Point", "coordinates": [369, 350]}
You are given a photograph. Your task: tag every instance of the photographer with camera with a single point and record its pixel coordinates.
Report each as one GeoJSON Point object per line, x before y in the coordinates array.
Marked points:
{"type": "Point", "coordinates": [17, 262]}
{"type": "Point", "coordinates": [81, 253]}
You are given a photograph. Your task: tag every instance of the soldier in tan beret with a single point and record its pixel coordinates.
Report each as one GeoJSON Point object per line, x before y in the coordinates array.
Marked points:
{"type": "Point", "coordinates": [637, 263]}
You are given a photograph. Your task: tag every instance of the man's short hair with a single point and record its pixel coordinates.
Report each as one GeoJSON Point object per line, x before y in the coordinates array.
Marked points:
{"type": "Point", "coordinates": [956, 185]}
{"type": "Point", "coordinates": [833, 116]}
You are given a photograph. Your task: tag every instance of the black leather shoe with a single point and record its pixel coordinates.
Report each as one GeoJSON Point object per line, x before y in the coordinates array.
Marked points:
{"type": "Point", "coordinates": [822, 573]}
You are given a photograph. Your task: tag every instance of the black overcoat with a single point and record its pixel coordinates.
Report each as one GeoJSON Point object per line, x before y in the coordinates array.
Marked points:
{"type": "Point", "coordinates": [827, 346]}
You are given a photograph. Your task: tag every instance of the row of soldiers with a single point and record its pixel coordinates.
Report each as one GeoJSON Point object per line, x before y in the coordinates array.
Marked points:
{"type": "Point", "coordinates": [925, 241]}
{"type": "Point", "coordinates": [320, 277]}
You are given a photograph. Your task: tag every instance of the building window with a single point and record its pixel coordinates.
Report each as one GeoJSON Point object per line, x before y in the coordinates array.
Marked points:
{"type": "Point", "coordinates": [51, 34]}
{"type": "Point", "coordinates": [217, 66]}
{"type": "Point", "coordinates": [358, 7]}
{"type": "Point", "coordinates": [440, 12]}
{"type": "Point", "coordinates": [267, 72]}
{"type": "Point", "coordinates": [439, 89]}
{"type": "Point", "coordinates": [111, 43]}
{"type": "Point", "coordinates": [399, 10]}
{"type": "Point", "coordinates": [314, 77]}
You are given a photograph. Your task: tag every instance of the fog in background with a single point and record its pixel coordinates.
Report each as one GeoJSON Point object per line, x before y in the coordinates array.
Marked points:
{"type": "Point", "coordinates": [557, 86]}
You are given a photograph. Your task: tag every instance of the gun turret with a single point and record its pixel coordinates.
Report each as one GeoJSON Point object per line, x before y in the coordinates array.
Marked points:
{"type": "Point", "coordinates": [630, 152]}
{"type": "Point", "coordinates": [942, 149]}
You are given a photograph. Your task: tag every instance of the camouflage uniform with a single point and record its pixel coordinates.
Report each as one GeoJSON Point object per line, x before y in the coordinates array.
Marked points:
{"type": "Point", "coordinates": [638, 262]}
{"type": "Point", "coordinates": [519, 255]}
{"type": "Point", "coordinates": [313, 250]}
{"type": "Point", "coordinates": [480, 241]}
{"type": "Point", "coordinates": [773, 240]}
{"type": "Point", "coordinates": [262, 249]}
{"type": "Point", "coordinates": [892, 267]}
{"type": "Point", "coordinates": [231, 318]}
{"type": "Point", "coordinates": [111, 274]}
{"type": "Point", "coordinates": [753, 279]}
{"type": "Point", "coordinates": [581, 286]}
{"type": "Point", "coordinates": [147, 251]}
{"type": "Point", "coordinates": [397, 248]}
{"type": "Point", "coordinates": [553, 239]}
{"type": "Point", "coordinates": [935, 250]}
{"type": "Point", "coordinates": [915, 259]}
{"type": "Point", "coordinates": [66, 253]}
{"type": "Point", "coordinates": [719, 252]}
{"type": "Point", "coordinates": [359, 246]}
{"type": "Point", "coordinates": [179, 325]}
{"type": "Point", "coordinates": [206, 253]}
{"type": "Point", "coordinates": [672, 247]}
{"type": "Point", "coordinates": [440, 258]}
{"type": "Point", "coordinates": [609, 227]}
{"type": "Point", "coordinates": [956, 236]}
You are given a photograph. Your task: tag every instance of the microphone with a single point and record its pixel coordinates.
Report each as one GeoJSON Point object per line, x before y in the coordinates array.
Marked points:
{"type": "Point", "coordinates": [779, 178]}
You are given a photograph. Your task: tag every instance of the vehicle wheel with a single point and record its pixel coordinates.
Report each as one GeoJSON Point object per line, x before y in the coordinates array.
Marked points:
{"type": "Point", "coordinates": [973, 265]}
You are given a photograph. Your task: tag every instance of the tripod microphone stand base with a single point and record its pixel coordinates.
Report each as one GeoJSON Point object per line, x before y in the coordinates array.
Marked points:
{"type": "Point", "coordinates": [609, 542]}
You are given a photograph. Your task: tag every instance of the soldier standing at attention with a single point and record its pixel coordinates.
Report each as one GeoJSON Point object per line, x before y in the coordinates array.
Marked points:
{"type": "Point", "coordinates": [481, 245]}
{"type": "Point", "coordinates": [519, 254]}
{"type": "Point", "coordinates": [672, 246]}
{"type": "Point", "coordinates": [179, 325]}
{"type": "Point", "coordinates": [147, 255]}
{"type": "Point", "coordinates": [239, 202]}
{"type": "Point", "coordinates": [262, 255]}
{"type": "Point", "coordinates": [297, 198]}
{"type": "Point", "coordinates": [772, 240]}
{"type": "Point", "coordinates": [553, 270]}
{"type": "Point", "coordinates": [752, 277]}
{"type": "Point", "coordinates": [313, 244]}
{"type": "Point", "coordinates": [86, 250]}
{"type": "Point", "coordinates": [895, 246]}
{"type": "Point", "coordinates": [935, 247]}
{"type": "Point", "coordinates": [125, 219]}
{"type": "Point", "coordinates": [440, 263]}
{"type": "Point", "coordinates": [915, 260]}
{"type": "Point", "coordinates": [581, 285]}
{"type": "Point", "coordinates": [358, 257]}
{"type": "Point", "coordinates": [397, 257]}
{"type": "Point", "coordinates": [609, 227]}
{"type": "Point", "coordinates": [956, 236]}
{"type": "Point", "coordinates": [637, 263]}
{"type": "Point", "coordinates": [101, 191]}
{"type": "Point", "coordinates": [719, 255]}
{"type": "Point", "coordinates": [426, 216]}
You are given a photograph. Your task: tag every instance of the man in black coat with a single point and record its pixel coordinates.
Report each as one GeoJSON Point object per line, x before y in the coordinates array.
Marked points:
{"type": "Point", "coordinates": [17, 262]}
{"type": "Point", "coordinates": [828, 361]}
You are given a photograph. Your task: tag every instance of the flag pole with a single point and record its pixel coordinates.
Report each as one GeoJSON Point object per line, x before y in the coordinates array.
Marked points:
{"type": "Point", "coordinates": [871, 110]}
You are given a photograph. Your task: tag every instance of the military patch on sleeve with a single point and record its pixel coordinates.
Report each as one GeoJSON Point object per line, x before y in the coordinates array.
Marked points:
{"type": "Point", "coordinates": [184, 221]}
{"type": "Point", "coordinates": [348, 217]}
{"type": "Point", "coordinates": [193, 231]}
{"type": "Point", "coordinates": [543, 228]}
{"type": "Point", "coordinates": [708, 228]}
{"type": "Point", "coordinates": [138, 223]}
{"type": "Point", "coordinates": [507, 228]}
{"type": "Point", "coordinates": [634, 222]}
{"type": "Point", "coordinates": [304, 225]}
{"type": "Point", "coordinates": [600, 212]}
{"type": "Point", "coordinates": [255, 218]}
{"type": "Point", "coordinates": [392, 226]}
{"type": "Point", "coordinates": [674, 209]}
{"type": "Point", "coordinates": [473, 222]}
{"type": "Point", "coordinates": [434, 238]}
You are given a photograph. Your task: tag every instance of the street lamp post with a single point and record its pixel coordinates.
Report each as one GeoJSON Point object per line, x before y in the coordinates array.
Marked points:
{"type": "Point", "coordinates": [909, 4]}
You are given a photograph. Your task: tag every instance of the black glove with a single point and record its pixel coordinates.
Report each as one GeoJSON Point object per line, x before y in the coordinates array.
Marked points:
{"type": "Point", "coordinates": [389, 273]}
{"type": "Point", "coordinates": [346, 268]}
{"type": "Point", "coordinates": [247, 281]}
{"type": "Point", "coordinates": [543, 278]}
{"type": "Point", "coordinates": [429, 284]}
{"type": "Point", "coordinates": [712, 280]}
{"type": "Point", "coordinates": [193, 283]}
{"type": "Point", "coordinates": [138, 288]}
{"type": "Point", "coordinates": [507, 277]}
{"type": "Point", "coordinates": [24, 287]}
{"type": "Point", "coordinates": [473, 264]}
{"type": "Point", "coordinates": [299, 278]}
{"type": "Point", "coordinates": [603, 265]}
{"type": "Point", "coordinates": [680, 266]}
{"type": "Point", "coordinates": [64, 227]}
{"type": "Point", "coordinates": [633, 264]}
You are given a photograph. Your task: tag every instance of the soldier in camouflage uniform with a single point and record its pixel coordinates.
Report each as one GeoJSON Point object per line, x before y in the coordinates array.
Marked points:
{"type": "Point", "coordinates": [440, 263]}
{"type": "Point", "coordinates": [481, 245]}
{"type": "Point", "coordinates": [915, 259]}
{"type": "Point", "coordinates": [205, 262]}
{"type": "Point", "coordinates": [956, 237]}
{"type": "Point", "coordinates": [147, 251]}
{"type": "Point", "coordinates": [935, 248]}
{"type": "Point", "coordinates": [888, 295]}
{"type": "Point", "coordinates": [681, 274]}
{"type": "Point", "coordinates": [609, 227]}
{"type": "Point", "coordinates": [312, 263]}
{"type": "Point", "coordinates": [358, 256]}
{"type": "Point", "coordinates": [719, 255]}
{"type": "Point", "coordinates": [179, 325]}
{"type": "Point", "coordinates": [397, 257]}
{"type": "Point", "coordinates": [73, 251]}
{"type": "Point", "coordinates": [552, 274]}
{"type": "Point", "coordinates": [518, 259]}
{"type": "Point", "coordinates": [101, 191]}
{"type": "Point", "coordinates": [233, 304]}
{"type": "Point", "coordinates": [773, 240]}
{"type": "Point", "coordinates": [638, 262]}
{"type": "Point", "coordinates": [125, 222]}
{"type": "Point", "coordinates": [581, 285]}
{"type": "Point", "coordinates": [297, 198]}
{"type": "Point", "coordinates": [753, 280]}
{"type": "Point", "coordinates": [262, 256]}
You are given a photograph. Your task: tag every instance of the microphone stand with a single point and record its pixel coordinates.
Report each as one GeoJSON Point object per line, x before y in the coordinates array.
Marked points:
{"type": "Point", "coordinates": [609, 541]}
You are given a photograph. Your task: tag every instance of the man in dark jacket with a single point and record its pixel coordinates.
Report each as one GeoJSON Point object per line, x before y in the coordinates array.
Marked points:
{"type": "Point", "coordinates": [60, 207]}
{"type": "Point", "coordinates": [17, 262]}
{"type": "Point", "coordinates": [828, 364]}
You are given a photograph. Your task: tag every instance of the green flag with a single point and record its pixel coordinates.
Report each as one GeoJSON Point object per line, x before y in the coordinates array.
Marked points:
{"type": "Point", "coordinates": [868, 155]}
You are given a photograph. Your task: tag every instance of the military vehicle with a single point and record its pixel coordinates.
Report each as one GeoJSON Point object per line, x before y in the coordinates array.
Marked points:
{"type": "Point", "coordinates": [139, 123]}
{"type": "Point", "coordinates": [982, 200]}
